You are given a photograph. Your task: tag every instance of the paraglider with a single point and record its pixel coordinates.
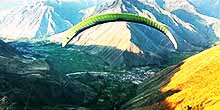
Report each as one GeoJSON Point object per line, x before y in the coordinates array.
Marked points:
{"type": "Point", "coordinates": [114, 17]}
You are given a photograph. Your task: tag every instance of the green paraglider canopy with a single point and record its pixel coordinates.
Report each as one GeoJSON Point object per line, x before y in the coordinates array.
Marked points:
{"type": "Point", "coordinates": [114, 17]}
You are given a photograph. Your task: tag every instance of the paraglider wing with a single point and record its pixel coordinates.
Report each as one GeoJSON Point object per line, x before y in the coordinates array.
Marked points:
{"type": "Point", "coordinates": [105, 18]}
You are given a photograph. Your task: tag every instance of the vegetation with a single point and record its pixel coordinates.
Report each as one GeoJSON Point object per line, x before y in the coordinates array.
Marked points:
{"type": "Point", "coordinates": [190, 85]}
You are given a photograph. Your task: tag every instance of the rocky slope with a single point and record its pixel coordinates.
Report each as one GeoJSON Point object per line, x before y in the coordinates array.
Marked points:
{"type": "Point", "coordinates": [202, 23]}
{"type": "Point", "coordinates": [41, 18]}
{"type": "Point", "coordinates": [133, 44]}
{"type": "Point", "coordinates": [192, 84]}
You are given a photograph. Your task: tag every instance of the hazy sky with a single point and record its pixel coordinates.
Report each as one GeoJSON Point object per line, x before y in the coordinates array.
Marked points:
{"type": "Point", "coordinates": [7, 4]}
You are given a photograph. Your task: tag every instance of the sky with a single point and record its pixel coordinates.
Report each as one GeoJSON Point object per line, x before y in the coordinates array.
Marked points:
{"type": "Point", "coordinates": [7, 4]}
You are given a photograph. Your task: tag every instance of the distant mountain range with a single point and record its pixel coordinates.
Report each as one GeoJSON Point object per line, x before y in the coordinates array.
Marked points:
{"type": "Point", "coordinates": [40, 18]}
{"type": "Point", "coordinates": [119, 42]}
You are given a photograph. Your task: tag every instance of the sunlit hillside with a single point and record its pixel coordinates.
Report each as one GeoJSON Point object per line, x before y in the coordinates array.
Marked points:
{"type": "Point", "coordinates": [194, 84]}
{"type": "Point", "coordinates": [198, 81]}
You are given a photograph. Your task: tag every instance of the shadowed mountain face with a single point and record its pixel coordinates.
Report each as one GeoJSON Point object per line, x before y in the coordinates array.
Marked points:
{"type": "Point", "coordinates": [27, 82]}
{"type": "Point", "coordinates": [192, 84]}
{"type": "Point", "coordinates": [12, 61]}
{"type": "Point", "coordinates": [151, 46]}
{"type": "Point", "coordinates": [6, 50]}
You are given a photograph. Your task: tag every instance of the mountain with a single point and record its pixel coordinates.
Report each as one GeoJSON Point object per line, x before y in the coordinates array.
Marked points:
{"type": "Point", "coordinates": [192, 84]}
{"type": "Point", "coordinates": [135, 44]}
{"type": "Point", "coordinates": [37, 19]}
{"type": "Point", "coordinates": [187, 12]}
{"type": "Point", "coordinates": [193, 30]}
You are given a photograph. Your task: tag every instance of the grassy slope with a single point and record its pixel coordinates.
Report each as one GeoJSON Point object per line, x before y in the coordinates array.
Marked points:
{"type": "Point", "coordinates": [198, 81]}
{"type": "Point", "coordinates": [193, 84]}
